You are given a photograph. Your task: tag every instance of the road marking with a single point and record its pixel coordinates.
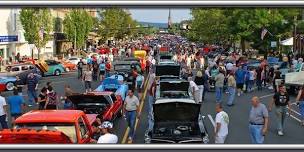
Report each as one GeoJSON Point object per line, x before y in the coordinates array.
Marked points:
{"type": "Point", "coordinates": [212, 121]}
{"type": "Point", "coordinates": [266, 96]}
{"type": "Point", "coordinates": [140, 109]}
{"type": "Point", "coordinates": [292, 116]}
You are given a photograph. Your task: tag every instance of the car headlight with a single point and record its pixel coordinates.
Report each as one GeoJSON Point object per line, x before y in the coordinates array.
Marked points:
{"type": "Point", "coordinates": [206, 139]}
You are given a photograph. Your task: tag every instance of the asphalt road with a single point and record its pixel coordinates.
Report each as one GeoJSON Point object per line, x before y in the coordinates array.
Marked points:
{"type": "Point", "coordinates": [238, 127]}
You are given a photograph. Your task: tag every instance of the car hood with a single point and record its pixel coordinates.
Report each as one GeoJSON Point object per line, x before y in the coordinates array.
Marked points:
{"type": "Point", "coordinates": [176, 111]}
{"type": "Point", "coordinates": [88, 98]}
{"type": "Point", "coordinates": [30, 136]}
{"type": "Point", "coordinates": [174, 85]}
{"type": "Point", "coordinates": [173, 70]}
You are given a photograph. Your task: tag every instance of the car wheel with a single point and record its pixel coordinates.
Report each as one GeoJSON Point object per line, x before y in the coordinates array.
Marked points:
{"type": "Point", "coordinates": [57, 72]}
{"type": "Point", "coordinates": [10, 86]}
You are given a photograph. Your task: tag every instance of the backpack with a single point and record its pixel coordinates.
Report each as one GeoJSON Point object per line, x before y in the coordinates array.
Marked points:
{"type": "Point", "coordinates": [52, 98]}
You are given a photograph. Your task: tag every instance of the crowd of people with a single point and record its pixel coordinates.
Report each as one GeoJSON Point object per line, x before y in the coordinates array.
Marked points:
{"type": "Point", "coordinates": [230, 74]}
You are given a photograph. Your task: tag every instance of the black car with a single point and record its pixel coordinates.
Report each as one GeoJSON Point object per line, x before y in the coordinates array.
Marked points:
{"type": "Point", "coordinates": [125, 68]}
{"type": "Point", "coordinates": [177, 121]}
{"type": "Point", "coordinates": [165, 71]}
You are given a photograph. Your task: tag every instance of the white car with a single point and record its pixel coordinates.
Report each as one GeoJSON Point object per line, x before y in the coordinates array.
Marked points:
{"type": "Point", "coordinates": [75, 60]}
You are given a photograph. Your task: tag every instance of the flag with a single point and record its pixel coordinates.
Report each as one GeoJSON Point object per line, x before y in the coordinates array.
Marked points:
{"type": "Point", "coordinates": [264, 32]}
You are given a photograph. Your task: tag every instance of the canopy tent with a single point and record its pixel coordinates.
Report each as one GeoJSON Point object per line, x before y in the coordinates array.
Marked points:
{"type": "Point", "coordinates": [287, 42]}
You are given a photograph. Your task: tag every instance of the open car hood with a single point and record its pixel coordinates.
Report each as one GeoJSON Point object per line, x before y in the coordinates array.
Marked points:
{"type": "Point", "coordinates": [174, 85]}
{"type": "Point", "coordinates": [162, 70]}
{"type": "Point", "coordinates": [176, 112]}
{"type": "Point", "coordinates": [88, 98]}
{"type": "Point", "coordinates": [30, 136]}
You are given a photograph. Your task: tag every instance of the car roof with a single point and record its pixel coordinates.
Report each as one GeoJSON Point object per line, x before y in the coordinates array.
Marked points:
{"type": "Point", "coordinates": [20, 64]}
{"type": "Point", "coordinates": [173, 79]}
{"type": "Point", "coordinates": [124, 62]}
{"type": "Point", "coordinates": [160, 101]}
{"type": "Point", "coordinates": [100, 93]}
{"type": "Point", "coordinates": [50, 116]}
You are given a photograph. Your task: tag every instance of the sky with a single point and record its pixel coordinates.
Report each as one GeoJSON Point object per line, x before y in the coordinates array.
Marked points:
{"type": "Point", "coordinates": [160, 15]}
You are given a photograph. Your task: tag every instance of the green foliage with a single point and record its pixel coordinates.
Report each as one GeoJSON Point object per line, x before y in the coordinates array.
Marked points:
{"type": "Point", "coordinates": [78, 23]}
{"type": "Point", "coordinates": [32, 20]}
{"type": "Point", "coordinates": [116, 23]}
{"type": "Point", "coordinates": [242, 24]}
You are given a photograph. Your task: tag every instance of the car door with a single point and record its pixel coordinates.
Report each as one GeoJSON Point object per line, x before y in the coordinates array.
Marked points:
{"type": "Point", "coordinates": [52, 67]}
{"type": "Point", "coordinates": [83, 130]}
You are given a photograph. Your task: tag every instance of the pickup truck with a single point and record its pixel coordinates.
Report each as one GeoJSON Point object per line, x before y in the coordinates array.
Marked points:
{"type": "Point", "coordinates": [50, 127]}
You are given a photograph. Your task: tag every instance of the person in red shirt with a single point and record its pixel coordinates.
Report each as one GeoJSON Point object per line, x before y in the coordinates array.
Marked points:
{"type": "Point", "coordinates": [108, 69]}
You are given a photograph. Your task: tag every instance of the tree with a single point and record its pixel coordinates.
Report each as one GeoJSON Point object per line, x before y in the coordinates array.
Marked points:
{"type": "Point", "coordinates": [116, 23]}
{"type": "Point", "coordinates": [34, 22]}
{"type": "Point", "coordinates": [239, 24]}
{"type": "Point", "coordinates": [209, 25]}
{"type": "Point", "coordinates": [77, 25]}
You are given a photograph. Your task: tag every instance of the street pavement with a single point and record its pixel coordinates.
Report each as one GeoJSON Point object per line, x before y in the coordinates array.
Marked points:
{"type": "Point", "coordinates": [239, 113]}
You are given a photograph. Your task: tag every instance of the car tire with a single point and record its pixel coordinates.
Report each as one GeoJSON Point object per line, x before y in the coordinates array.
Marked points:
{"type": "Point", "coordinates": [57, 73]}
{"type": "Point", "coordinates": [9, 86]}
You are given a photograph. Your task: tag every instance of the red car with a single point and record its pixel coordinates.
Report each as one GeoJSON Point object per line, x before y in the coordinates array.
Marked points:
{"type": "Point", "coordinates": [50, 127]}
{"type": "Point", "coordinates": [106, 104]}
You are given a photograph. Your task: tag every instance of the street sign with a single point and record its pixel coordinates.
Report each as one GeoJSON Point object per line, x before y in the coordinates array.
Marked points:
{"type": "Point", "coordinates": [13, 38]}
{"type": "Point", "coordinates": [273, 44]}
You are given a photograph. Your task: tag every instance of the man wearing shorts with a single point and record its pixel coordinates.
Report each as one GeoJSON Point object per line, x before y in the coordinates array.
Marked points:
{"type": "Point", "coordinates": [240, 79]}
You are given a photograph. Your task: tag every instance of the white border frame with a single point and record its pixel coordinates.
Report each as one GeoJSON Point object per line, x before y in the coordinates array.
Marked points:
{"type": "Point", "coordinates": [154, 146]}
{"type": "Point", "coordinates": [155, 4]}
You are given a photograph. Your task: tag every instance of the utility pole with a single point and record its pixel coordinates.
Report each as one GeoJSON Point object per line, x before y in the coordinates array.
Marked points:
{"type": "Point", "coordinates": [75, 38]}
{"type": "Point", "coordinates": [294, 34]}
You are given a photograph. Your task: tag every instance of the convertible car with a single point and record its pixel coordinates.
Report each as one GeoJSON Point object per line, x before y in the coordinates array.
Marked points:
{"type": "Point", "coordinates": [114, 84]}
{"type": "Point", "coordinates": [106, 104]}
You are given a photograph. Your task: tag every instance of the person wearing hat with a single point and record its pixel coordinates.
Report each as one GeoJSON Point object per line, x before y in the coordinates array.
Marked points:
{"type": "Point", "coordinates": [107, 137]}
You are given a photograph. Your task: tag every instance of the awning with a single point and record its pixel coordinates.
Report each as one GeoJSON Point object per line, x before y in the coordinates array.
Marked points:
{"type": "Point", "coordinates": [287, 42]}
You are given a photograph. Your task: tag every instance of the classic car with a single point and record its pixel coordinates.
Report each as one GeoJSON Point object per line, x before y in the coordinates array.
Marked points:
{"type": "Point", "coordinates": [69, 66]}
{"type": "Point", "coordinates": [106, 104]}
{"type": "Point", "coordinates": [54, 68]}
{"type": "Point", "coordinates": [16, 69]}
{"type": "Point", "coordinates": [7, 83]}
{"type": "Point", "coordinates": [75, 60]}
{"type": "Point", "coordinates": [50, 127]}
{"type": "Point", "coordinates": [172, 88]}
{"type": "Point", "coordinates": [165, 71]}
{"type": "Point", "coordinates": [177, 121]}
{"type": "Point", "coordinates": [125, 68]}
{"type": "Point", "coordinates": [115, 84]}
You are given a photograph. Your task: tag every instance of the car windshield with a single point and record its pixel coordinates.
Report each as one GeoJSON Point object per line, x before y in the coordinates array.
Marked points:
{"type": "Point", "coordinates": [66, 128]}
{"type": "Point", "coordinates": [122, 67]}
{"type": "Point", "coordinates": [174, 94]}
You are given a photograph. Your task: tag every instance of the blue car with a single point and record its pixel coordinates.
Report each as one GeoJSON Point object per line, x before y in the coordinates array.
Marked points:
{"type": "Point", "coordinates": [114, 84]}
{"type": "Point", "coordinates": [7, 83]}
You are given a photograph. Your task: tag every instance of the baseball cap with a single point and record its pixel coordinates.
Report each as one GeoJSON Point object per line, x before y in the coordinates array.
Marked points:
{"type": "Point", "coordinates": [106, 124]}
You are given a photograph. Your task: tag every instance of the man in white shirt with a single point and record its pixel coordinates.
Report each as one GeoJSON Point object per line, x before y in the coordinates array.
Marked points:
{"type": "Point", "coordinates": [3, 113]}
{"type": "Point", "coordinates": [221, 126]}
{"type": "Point", "coordinates": [194, 90]}
{"type": "Point", "coordinates": [107, 137]}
